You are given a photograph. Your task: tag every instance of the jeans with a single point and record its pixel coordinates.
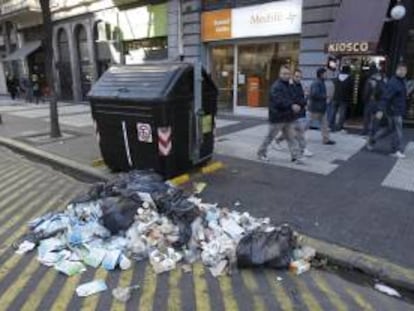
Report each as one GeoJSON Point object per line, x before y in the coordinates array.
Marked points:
{"type": "Point", "coordinates": [338, 115]}
{"type": "Point", "coordinates": [369, 118]}
{"type": "Point", "coordinates": [300, 126]}
{"type": "Point", "coordinates": [323, 120]}
{"type": "Point", "coordinates": [288, 132]}
{"type": "Point", "coordinates": [394, 128]}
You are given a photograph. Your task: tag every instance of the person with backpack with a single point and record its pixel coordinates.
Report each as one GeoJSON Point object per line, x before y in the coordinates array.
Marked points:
{"type": "Point", "coordinates": [373, 91]}
{"type": "Point", "coordinates": [393, 106]}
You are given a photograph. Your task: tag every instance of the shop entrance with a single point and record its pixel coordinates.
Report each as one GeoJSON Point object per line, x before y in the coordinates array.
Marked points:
{"type": "Point", "coordinates": [360, 67]}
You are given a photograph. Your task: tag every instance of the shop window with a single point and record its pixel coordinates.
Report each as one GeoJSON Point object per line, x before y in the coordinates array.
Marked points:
{"type": "Point", "coordinates": [258, 67]}
{"type": "Point", "coordinates": [216, 4]}
{"type": "Point", "coordinates": [222, 73]}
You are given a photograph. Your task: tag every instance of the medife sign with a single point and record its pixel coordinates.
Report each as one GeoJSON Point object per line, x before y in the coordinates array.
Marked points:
{"type": "Point", "coordinates": [270, 19]}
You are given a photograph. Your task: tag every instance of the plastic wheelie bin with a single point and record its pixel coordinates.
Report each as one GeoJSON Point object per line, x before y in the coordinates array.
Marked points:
{"type": "Point", "coordinates": [155, 116]}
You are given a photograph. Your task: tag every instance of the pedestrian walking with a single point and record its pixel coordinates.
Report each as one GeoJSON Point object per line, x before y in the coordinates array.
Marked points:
{"type": "Point", "coordinates": [374, 90]}
{"type": "Point", "coordinates": [37, 93]}
{"type": "Point", "coordinates": [393, 107]}
{"type": "Point", "coordinates": [301, 122]}
{"type": "Point", "coordinates": [282, 109]}
{"type": "Point", "coordinates": [318, 105]}
{"type": "Point", "coordinates": [342, 98]}
{"type": "Point", "coordinates": [12, 86]}
{"type": "Point", "coordinates": [27, 86]}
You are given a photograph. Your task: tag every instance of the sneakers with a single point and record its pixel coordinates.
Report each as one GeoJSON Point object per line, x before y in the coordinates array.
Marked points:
{"type": "Point", "coordinates": [277, 146]}
{"type": "Point", "coordinates": [262, 157]}
{"type": "Point", "coordinates": [307, 153]}
{"type": "Point", "coordinates": [329, 142]}
{"type": "Point", "coordinates": [399, 155]}
{"type": "Point", "coordinates": [298, 161]}
{"type": "Point", "coordinates": [369, 146]}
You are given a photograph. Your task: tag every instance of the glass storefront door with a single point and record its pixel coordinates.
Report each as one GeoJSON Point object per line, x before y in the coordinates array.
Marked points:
{"type": "Point", "coordinates": [245, 71]}
{"type": "Point", "coordinates": [258, 67]}
{"type": "Point", "coordinates": [222, 72]}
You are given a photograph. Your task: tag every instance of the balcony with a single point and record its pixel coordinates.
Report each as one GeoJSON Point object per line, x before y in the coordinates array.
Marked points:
{"type": "Point", "coordinates": [11, 6]}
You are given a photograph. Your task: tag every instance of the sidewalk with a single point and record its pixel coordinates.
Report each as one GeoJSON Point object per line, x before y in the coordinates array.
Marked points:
{"type": "Point", "coordinates": [344, 194]}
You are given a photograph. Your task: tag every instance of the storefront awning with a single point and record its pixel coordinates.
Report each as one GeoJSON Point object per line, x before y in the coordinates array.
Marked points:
{"type": "Point", "coordinates": [21, 53]}
{"type": "Point", "coordinates": [357, 28]}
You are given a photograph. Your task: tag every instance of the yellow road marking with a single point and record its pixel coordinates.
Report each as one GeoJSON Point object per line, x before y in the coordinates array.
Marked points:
{"type": "Point", "coordinates": [9, 174]}
{"type": "Point", "coordinates": [124, 281]}
{"type": "Point", "coordinates": [14, 183]}
{"type": "Point", "coordinates": [15, 288]}
{"type": "Point", "coordinates": [98, 162]}
{"type": "Point", "coordinates": [148, 288]}
{"type": "Point", "coordinates": [279, 292]}
{"type": "Point", "coordinates": [23, 211]}
{"type": "Point", "coordinates": [43, 286]}
{"type": "Point", "coordinates": [212, 167]}
{"type": "Point", "coordinates": [202, 297]}
{"type": "Point", "coordinates": [10, 263]}
{"type": "Point", "coordinates": [18, 196]}
{"type": "Point", "coordinates": [174, 298]}
{"type": "Point", "coordinates": [91, 302]}
{"type": "Point", "coordinates": [307, 296]}
{"type": "Point", "coordinates": [226, 289]}
{"type": "Point", "coordinates": [180, 180]}
{"type": "Point", "coordinates": [325, 288]}
{"type": "Point", "coordinates": [64, 297]}
{"type": "Point", "coordinates": [359, 300]}
{"type": "Point", "coordinates": [251, 284]}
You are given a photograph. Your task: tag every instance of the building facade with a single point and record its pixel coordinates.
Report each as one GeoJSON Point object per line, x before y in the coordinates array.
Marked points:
{"type": "Point", "coordinates": [242, 43]}
{"type": "Point", "coordinates": [89, 36]}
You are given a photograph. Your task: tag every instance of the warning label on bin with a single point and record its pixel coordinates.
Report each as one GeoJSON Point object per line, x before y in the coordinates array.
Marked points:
{"type": "Point", "coordinates": [144, 132]}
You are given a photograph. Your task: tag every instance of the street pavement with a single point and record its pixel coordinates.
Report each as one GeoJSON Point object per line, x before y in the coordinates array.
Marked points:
{"type": "Point", "coordinates": [29, 189]}
{"type": "Point", "coordinates": [344, 194]}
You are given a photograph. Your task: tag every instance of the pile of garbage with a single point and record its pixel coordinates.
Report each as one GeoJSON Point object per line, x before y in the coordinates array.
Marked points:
{"type": "Point", "coordinates": [139, 216]}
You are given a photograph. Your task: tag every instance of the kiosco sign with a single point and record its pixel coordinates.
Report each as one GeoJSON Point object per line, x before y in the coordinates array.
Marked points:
{"type": "Point", "coordinates": [350, 47]}
{"type": "Point", "coordinates": [271, 19]}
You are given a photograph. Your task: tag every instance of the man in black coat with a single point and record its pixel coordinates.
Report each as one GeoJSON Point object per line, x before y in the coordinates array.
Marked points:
{"type": "Point", "coordinates": [282, 109]}
{"type": "Point", "coordinates": [393, 105]}
{"type": "Point", "coordinates": [342, 99]}
{"type": "Point", "coordinates": [301, 123]}
{"type": "Point", "coordinates": [319, 103]}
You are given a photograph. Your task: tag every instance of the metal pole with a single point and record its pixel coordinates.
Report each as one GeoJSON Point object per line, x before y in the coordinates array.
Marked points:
{"type": "Point", "coordinates": [198, 110]}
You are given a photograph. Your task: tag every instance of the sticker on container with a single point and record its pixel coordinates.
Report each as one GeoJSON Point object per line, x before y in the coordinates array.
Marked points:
{"type": "Point", "coordinates": [144, 132]}
{"type": "Point", "coordinates": [164, 141]}
{"type": "Point", "coordinates": [207, 124]}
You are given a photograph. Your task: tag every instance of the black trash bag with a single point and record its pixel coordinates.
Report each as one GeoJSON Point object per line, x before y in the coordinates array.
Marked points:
{"type": "Point", "coordinates": [266, 249]}
{"type": "Point", "coordinates": [180, 211]}
{"type": "Point", "coordinates": [118, 213]}
{"type": "Point", "coordinates": [127, 185]}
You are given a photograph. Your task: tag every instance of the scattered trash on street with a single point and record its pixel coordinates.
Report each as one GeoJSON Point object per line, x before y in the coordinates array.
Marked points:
{"type": "Point", "coordinates": [25, 247]}
{"type": "Point", "coordinates": [387, 290]}
{"type": "Point", "coordinates": [91, 288]}
{"type": "Point", "coordinates": [123, 294]}
{"type": "Point", "coordinates": [138, 216]}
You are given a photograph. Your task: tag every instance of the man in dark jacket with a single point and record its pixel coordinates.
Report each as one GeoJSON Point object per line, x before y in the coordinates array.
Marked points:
{"type": "Point", "coordinates": [301, 123]}
{"type": "Point", "coordinates": [282, 111]}
{"type": "Point", "coordinates": [374, 90]}
{"type": "Point", "coordinates": [393, 105]}
{"type": "Point", "coordinates": [318, 104]}
{"type": "Point", "coordinates": [342, 99]}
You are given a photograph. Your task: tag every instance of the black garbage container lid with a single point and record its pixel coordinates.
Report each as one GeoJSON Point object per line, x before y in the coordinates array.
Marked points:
{"type": "Point", "coordinates": [149, 82]}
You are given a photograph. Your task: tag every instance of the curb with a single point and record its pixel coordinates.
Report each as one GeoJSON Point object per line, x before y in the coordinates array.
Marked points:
{"type": "Point", "coordinates": [378, 268]}
{"type": "Point", "coordinates": [205, 170]}
{"type": "Point", "coordinates": [386, 271]}
{"type": "Point", "coordinates": [66, 165]}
